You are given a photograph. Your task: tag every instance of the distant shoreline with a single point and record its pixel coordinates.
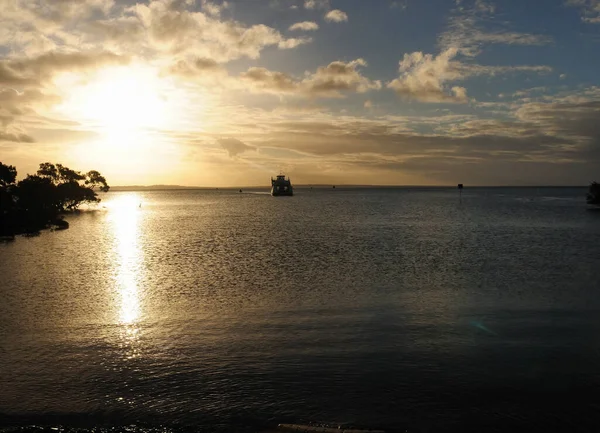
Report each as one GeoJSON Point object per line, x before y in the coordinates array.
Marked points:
{"type": "Point", "coordinates": [338, 186]}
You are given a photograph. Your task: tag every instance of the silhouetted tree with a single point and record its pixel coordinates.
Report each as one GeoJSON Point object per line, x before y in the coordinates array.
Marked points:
{"type": "Point", "coordinates": [36, 201]}
{"type": "Point", "coordinates": [593, 195]}
{"type": "Point", "coordinates": [72, 187]}
{"type": "Point", "coordinates": [8, 175]}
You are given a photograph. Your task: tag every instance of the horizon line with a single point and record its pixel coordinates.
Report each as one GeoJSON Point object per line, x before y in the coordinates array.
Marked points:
{"type": "Point", "coordinates": [340, 185]}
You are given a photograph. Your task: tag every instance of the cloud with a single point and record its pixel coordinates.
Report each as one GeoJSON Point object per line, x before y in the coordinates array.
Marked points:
{"type": "Point", "coordinates": [338, 77]}
{"type": "Point", "coordinates": [423, 78]}
{"type": "Point", "coordinates": [529, 92]}
{"type": "Point", "coordinates": [465, 70]}
{"type": "Point", "coordinates": [156, 28]}
{"type": "Point", "coordinates": [293, 43]}
{"type": "Point", "coordinates": [485, 7]}
{"type": "Point", "coordinates": [305, 26]}
{"type": "Point", "coordinates": [187, 32]}
{"type": "Point", "coordinates": [426, 78]}
{"type": "Point", "coordinates": [234, 146]}
{"type": "Point", "coordinates": [465, 33]}
{"type": "Point", "coordinates": [214, 9]}
{"type": "Point", "coordinates": [558, 140]}
{"type": "Point", "coordinates": [330, 81]}
{"type": "Point", "coordinates": [336, 16]}
{"type": "Point", "coordinates": [316, 4]}
{"type": "Point", "coordinates": [36, 70]}
{"type": "Point", "coordinates": [15, 105]}
{"type": "Point", "coordinates": [199, 68]}
{"type": "Point", "coordinates": [32, 75]}
{"type": "Point", "coordinates": [573, 118]}
{"type": "Point", "coordinates": [34, 27]}
{"type": "Point", "coordinates": [16, 137]}
{"type": "Point", "coordinates": [270, 81]}
{"type": "Point", "coordinates": [590, 10]}
{"type": "Point", "coordinates": [402, 5]}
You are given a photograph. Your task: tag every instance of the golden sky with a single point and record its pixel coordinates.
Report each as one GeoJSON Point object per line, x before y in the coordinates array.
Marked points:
{"type": "Point", "coordinates": [228, 93]}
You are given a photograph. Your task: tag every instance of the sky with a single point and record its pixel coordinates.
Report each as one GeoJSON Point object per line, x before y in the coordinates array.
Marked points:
{"type": "Point", "coordinates": [230, 93]}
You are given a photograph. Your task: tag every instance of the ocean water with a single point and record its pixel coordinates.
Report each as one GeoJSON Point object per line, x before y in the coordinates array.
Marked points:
{"type": "Point", "coordinates": [401, 309]}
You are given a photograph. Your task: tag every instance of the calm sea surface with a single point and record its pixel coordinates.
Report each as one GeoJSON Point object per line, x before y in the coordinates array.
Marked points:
{"type": "Point", "coordinates": [401, 309]}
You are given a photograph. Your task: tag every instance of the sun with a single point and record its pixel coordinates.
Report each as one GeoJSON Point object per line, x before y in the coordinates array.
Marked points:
{"type": "Point", "coordinates": [136, 118]}
{"type": "Point", "coordinates": [121, 100]}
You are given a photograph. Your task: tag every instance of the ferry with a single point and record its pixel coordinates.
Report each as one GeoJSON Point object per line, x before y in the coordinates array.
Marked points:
{"type": "Point", "coordinates": [281, 186]}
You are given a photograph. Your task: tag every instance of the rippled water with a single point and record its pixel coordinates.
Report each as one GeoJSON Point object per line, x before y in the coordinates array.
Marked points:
{"type": "Point", "coordinates": [402, 309]}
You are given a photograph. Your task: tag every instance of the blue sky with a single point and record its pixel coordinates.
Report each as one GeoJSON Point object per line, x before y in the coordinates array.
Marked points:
{"type": "Point", "coordinates": [221, 93]}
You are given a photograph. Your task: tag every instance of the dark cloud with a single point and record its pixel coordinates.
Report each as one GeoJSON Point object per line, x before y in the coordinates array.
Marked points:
{"type": "Point", "coordinates": [195, 68]}
{"type": "Point", "coordinates": [14, 105]}
{"type": "Point", "coordinates": [234, 146]}
{"type": "Point", "coordinates": [270, 81]}
{"type": "Point", "coordinates": [16, 137]}
{"type": "Point", "coordinates": [552, 142]}
{"type": "Point", "coordinates": [36, 70]}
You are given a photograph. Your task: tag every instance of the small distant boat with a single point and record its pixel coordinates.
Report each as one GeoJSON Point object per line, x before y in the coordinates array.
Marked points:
{"type": "Point", "coordinates": [281, 186]}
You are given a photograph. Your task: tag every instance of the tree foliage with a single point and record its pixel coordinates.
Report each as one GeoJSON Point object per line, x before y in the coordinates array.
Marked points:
{"type": "Point", "coordinates": [8, 175]}
{"type": "Point", "coordinates": [36, 201]}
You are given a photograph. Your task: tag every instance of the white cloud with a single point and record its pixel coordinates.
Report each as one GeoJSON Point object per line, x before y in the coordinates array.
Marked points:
{"type": "Point", "coordinates": [214, 9]}
{"type": "Point", "coordinates": [590, 10]}
{"type": "Point", "coordinates": [186, 32]}
{"type": "Point", "coordinates": [305, 26]}
{"type": "Point", "coordinates": [485, 7]}
{"type": "Point", "coordinates": [316, 4]}
{"type": "Point", "coordinates": [423, 78]}
{"type": "Point", "coordinates": [336, 16]}
{"type": "Point", "coordinates": [466, 34]}
{"type": "Point", "coordinates": [156, 28]}
{"type": "Point", "coordinates": [293, 43]}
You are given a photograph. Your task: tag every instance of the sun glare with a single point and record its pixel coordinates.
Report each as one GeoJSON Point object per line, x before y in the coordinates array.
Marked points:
{"type": "Point", "coordinates": [122, 99]}
{"type": "Point", "coordinates": [137, 119]}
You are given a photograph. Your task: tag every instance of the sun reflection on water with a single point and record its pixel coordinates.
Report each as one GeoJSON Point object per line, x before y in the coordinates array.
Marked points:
{"type": "Point", "coordinates": [124, 215]}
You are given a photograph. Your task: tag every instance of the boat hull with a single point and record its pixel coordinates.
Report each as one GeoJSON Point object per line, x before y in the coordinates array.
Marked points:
{"type": "Point", "coordinates": [281, 193]}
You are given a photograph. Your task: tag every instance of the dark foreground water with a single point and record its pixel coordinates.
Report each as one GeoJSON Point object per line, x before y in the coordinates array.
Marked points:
{"type": "Point", "coordinates": [401, 309]}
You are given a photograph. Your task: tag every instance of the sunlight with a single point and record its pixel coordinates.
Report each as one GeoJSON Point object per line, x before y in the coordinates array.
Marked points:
{"type": "Point", "coordinates": [124, 214]}
{"type": "Point", "coordinates": [122, 103]}
{"type": "Point", "coordinates": [124, 98]}
{"type": "Point", "coordinates": [137, 117]}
